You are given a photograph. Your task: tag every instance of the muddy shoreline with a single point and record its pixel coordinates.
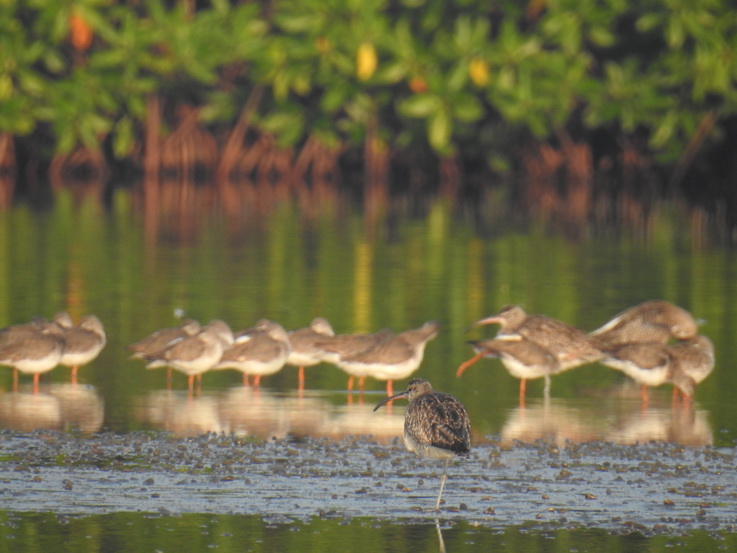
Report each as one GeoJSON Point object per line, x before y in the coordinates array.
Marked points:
{"type": "Point", "coordinates": [650, 488]}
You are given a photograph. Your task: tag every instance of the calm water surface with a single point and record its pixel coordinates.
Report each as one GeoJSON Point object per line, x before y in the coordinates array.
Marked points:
{"type": "Point", "coordinates": [395, 272]}
{"type": "Point", "coordinates": [140, 271]}
{"type": "Point", "coordinates": [126, 532]}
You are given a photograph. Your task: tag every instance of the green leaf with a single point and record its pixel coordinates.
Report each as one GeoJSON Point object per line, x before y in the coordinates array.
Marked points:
{"type": "Point", "coordinates": [420, 105]}
{"type": "Point", "coordinates": [123, 138]}
{"type": "Point", "coordinates": [468, 109]}
{"type": "Point", "coordinates": [648, 22]}
{"type": "Point", "coordinates": [287, 126]}
{"type": "Point", "coordinates": [439, 130]}
{"type": "Point", "coordinates": [602, 36]}
{"type": "Point", "coordinates": [665, 130]}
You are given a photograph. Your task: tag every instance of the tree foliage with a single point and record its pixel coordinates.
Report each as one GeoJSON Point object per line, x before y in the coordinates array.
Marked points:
{"type": "Point", "coordinates": [423, 73]}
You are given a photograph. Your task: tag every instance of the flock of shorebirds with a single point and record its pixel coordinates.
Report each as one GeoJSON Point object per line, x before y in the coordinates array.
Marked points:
{"type": "Point", "coordinates": [265, 348]}
{"type": "Point", "coordinates": [38, 346]}
{"type": "Point", "coordinates": [654, 343]}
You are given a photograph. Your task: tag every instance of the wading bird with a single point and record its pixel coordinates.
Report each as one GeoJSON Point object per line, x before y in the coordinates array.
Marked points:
{"type": "Point", "coordinates": [436, 425]}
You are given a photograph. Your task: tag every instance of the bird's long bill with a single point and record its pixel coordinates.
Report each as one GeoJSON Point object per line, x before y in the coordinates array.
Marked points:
{"type": "Point", "coordinates": [487, 321]}
{"type": "Point", "coordinates": [390, 398]}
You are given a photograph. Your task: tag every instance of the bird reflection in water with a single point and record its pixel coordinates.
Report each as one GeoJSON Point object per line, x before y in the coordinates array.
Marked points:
{"type": "Point", "coordinates": [53, 407]}
{"type": "Point", "coordinates": [248, 411]}
{"type": "Point", "coordinates": [550, 420]}
{"type": "Point", "coordinates": [441, 541]}
{"type": "Point", "coordinates": [688, 427]}
{"type": "Point", "coordinates": [254, 412]}
{"type": "Point", "coordinates": [179, 412]}
{"type": "Point", "coordinates": [620, 420]}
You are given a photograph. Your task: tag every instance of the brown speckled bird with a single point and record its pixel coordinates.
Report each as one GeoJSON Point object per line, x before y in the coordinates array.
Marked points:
{"type": "Point", "coordinates": [436, 425]}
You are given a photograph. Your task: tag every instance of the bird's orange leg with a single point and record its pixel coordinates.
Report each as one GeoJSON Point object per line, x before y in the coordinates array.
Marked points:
{"type": "Point", "coordinates": [468, 363]}
{"type": "Point", "coordinates": [522, 392]}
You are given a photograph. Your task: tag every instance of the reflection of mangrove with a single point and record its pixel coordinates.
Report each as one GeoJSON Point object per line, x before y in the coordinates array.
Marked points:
{"type": "Point", "coordinates": [189, 172]}
{"type": "Point", "coordinates": [55, 407]}
{"type": "Point", "coordinates": [559, 422]}
{"type": "Point", "coordinates": [247, 411]}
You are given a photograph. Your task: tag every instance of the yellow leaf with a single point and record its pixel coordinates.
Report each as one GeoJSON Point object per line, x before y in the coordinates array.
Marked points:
{"type": "Point", "coordinates": [366, 61]}
{"type": "Point", "coordinates": [478, 69]}
{"type": "Point", "coordinates": [323, 44]}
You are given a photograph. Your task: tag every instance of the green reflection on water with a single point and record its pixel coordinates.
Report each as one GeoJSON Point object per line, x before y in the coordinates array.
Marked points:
{"type": "Point", "coordinates": [398, 273]}
{"type": "Point", "coordinates": [137, 533]}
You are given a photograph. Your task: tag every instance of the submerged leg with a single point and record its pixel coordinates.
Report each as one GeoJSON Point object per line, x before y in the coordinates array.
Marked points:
{"type": "Point", "coordinates": [522, 390]}
{"type": "Point", "coordinates": [546, 391]}
{"type": "Point", "coordinates": [442, 484]}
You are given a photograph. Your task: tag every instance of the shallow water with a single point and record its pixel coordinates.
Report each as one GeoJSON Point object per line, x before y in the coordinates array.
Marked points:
{"type": "Point", "coordinates": [290, 494]}
{"type": "Point", "coordinates": [660, 488]}
{"type": "Point", "coordinates": [123, 532]}
{"type": "Point", "coordinates": [589, 469]}
{"type": "Point", "coordinates": [437, 263]}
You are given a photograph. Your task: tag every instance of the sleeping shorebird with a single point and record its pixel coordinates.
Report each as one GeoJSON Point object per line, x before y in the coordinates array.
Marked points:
{"type": "Point", "coordinates": [696, 361]}
{"type": "Point", "coordinates": [336, 348]}
{"type": "Point", "coordinates": [258, 351]}
{"type": "Point", "coordinates": [193, 355]}
{"type": "Point", "coordinates": [393, 357]}
{"type": "Point", "coordinates": [82, 343]}
{"type": "Point", "coordinates": [649, 321]}
{"type": "Point", "coordinates": [161, 339]}
{"type": "Point", "coordinates": [34, 349]}
{"type": "Point", "coordinates": [650, 364]}
{"type": "Point", "coordinates": [305, 352]}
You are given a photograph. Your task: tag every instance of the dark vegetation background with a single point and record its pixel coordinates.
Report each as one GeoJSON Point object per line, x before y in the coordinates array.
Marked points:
{"type": "Point", "coordinates": [560, 101]}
